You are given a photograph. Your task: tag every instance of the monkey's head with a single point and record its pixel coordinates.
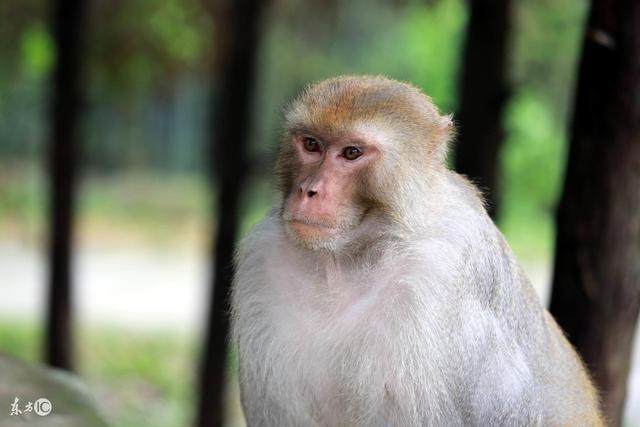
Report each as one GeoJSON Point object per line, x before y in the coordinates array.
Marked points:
{"type": "Point", "coordinates": [356, 147]}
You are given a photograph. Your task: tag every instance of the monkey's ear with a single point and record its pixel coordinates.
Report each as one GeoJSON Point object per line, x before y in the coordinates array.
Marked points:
{"type": "Point", "coordinates": [444, 133]}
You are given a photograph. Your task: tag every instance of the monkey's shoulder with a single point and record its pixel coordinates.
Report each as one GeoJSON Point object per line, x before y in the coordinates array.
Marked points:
{"type": "Point", "coordinates": [266, 236]}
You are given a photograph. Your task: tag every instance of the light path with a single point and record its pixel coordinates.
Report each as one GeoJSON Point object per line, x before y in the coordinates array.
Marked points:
{"type": "Point", "coordinates": [138, 289]}
{"type": "Point", "coordinates": [146, 289]}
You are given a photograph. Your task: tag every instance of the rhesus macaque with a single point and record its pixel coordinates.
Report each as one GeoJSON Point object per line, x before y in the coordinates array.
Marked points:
{"type": "Point", "coordinates": [379, 293]}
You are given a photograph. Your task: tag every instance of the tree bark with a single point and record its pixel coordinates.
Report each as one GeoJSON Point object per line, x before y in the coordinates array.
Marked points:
{"type": "Point", "coordinates": [596, 284]}
{"type": "Point", "coordinates": [65, 106]}
{"type": "Point", "coordinates": [483, 95]}
{"type": "Point", "coordinates": [238, 37]}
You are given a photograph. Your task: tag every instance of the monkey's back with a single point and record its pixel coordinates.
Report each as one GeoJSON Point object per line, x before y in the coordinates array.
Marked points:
{"type": "Point", "coordinates": [561, 390]}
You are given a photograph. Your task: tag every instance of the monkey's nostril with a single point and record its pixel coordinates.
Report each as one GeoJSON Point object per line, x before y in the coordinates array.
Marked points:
{"type": "Point", "coordinates": [311, 193]}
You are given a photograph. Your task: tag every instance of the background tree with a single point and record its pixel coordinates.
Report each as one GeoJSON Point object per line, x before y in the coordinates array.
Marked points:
{"type": "Point", "coordinates": [483, 92]}
{"type": "Point", "coordinates": [237, 41]}
{"type": "Point", "coordinates": [65, 106]}
{"type": "Point", "coordinates": [596, 285]}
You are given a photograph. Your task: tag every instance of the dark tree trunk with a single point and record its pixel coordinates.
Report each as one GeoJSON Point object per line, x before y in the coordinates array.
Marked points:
{"type": "Point", "coordinates": [596, 284]}
{"type": "Point", "coordinates": [483, 95]}
{"type": "Point", "coordinates": [65, 105]}
{"type": "Point", "coordinates": [238, 36]}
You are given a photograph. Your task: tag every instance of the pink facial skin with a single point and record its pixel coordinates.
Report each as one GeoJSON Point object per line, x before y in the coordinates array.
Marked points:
{"type": "Point", "coordinates": [323, 201]}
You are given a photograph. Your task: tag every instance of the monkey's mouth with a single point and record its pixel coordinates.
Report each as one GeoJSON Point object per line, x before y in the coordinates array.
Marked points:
{"type": "Point", "coordinates": [310, 224]}
{"type": "Point", "coordinates": [310, 230]}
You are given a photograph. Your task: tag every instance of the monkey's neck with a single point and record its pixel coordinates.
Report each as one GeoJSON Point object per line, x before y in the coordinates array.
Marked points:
{"type": "Point", "coordinates": [362, 250]}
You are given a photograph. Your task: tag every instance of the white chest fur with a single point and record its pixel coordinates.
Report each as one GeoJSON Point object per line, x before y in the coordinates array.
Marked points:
{"type": "Point", "coordinates": [335, 343]}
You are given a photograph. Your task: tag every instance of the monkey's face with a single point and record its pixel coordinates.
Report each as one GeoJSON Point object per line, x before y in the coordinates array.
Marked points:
{"type": "Point", "coordinates": [324, 200]}
{"type": "Point", "coordinates": [356, 147]}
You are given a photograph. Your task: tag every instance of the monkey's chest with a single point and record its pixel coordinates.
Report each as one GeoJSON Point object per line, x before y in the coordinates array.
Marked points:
{"type": "Point", "coordinates": [339, 355]}
{"type": "Point", "coordinates": [342, 351]}
{"type": "Point", "coordinates": [338, 371]}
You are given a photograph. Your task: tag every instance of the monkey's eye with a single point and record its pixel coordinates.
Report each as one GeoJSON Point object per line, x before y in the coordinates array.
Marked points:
{"type": "Point", "coordinates": [311, 144]}
{"type": "Point", "coordinates": [352, 153]}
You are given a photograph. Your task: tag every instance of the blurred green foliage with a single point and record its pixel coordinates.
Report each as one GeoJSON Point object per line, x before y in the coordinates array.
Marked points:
{"type": "Point", "coordinates": [136, 48]}
{"type": "Point", "coordinates": [37, 52]}
{"type": "Point", "coordinates": [534, 148]}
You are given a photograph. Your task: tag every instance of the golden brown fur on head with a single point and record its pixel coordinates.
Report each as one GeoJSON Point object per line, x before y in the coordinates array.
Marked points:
{"type": "Point", "coordinates": [343, 103]}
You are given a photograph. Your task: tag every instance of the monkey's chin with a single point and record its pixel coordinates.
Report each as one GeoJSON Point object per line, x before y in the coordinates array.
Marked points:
{"type": "Point", "coordinates": [307, 231]}
{"type": "Point", "coordinates": [313, 236]}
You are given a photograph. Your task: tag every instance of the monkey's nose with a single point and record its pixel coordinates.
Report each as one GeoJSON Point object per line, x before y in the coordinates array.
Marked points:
{"type": "Point", "coordinates": [307, 190]}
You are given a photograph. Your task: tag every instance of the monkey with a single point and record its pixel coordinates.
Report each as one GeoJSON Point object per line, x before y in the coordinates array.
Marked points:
{"type": "Point", "coordinates": [378, 292]}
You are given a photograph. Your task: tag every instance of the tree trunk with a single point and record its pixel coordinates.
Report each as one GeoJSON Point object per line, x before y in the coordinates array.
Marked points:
{"type": "Point", "coordinates": [238, 36]}
{"type": "Point", "coordinates": [65, 105]}
{"type": "Point", "coordinates": [596, 284]}
{"type": "Point", "coordinates": [483, 95]}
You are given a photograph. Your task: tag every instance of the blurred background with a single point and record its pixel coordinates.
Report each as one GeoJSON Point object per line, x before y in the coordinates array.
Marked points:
{"type": "Point", "coordinates": [151, 79]}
